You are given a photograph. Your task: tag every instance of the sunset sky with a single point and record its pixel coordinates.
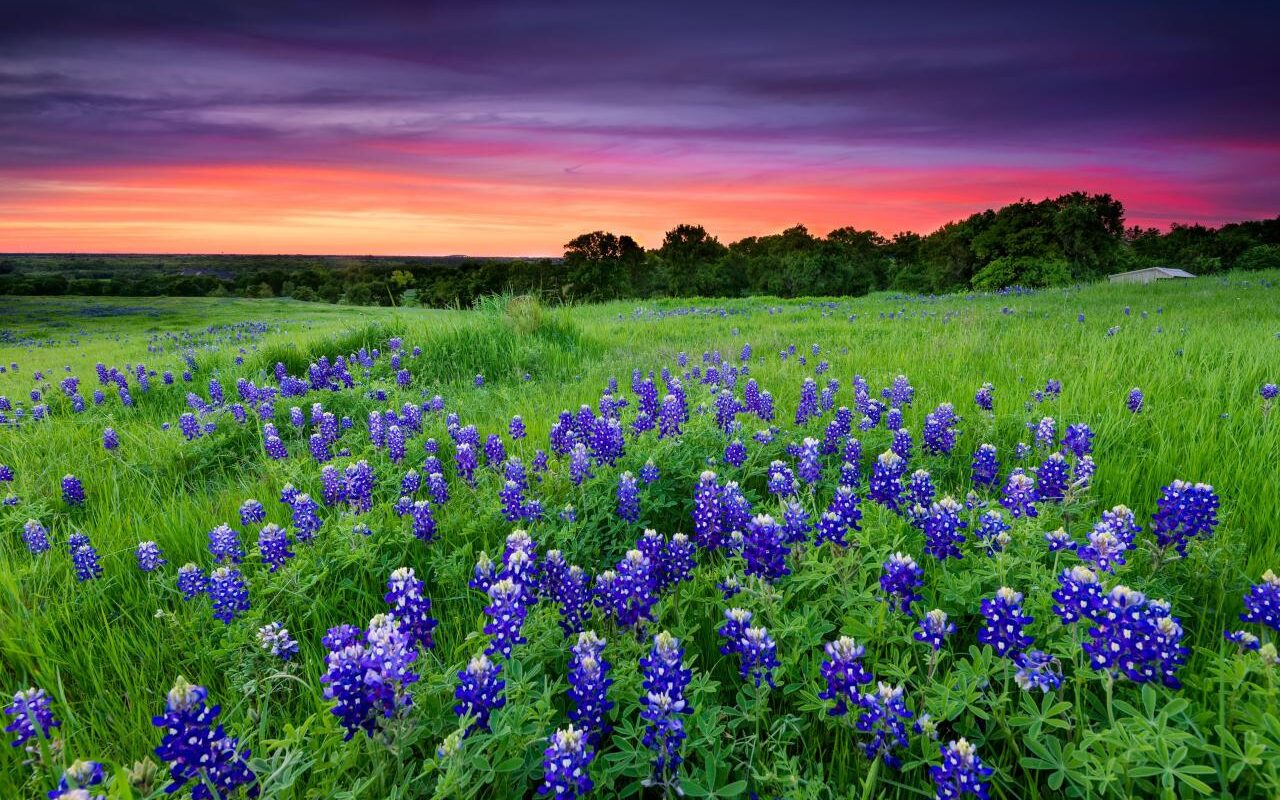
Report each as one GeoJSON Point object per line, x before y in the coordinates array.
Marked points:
{"type": "Point", "coordinates": [496, 128]}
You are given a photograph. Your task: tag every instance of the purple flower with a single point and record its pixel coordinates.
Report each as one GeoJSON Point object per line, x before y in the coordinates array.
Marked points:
{"type": "Point", "coordinates": [885, 486]}
{"type": "Point", "coordinates": [899, 581]}
{"type": "Point", "coordinates": [1136, 638]}
{"type": "Point", "coordinates": [198, 750]}
{"type": "Point", "coordinates": [765, 549]}
{"type": "Point", "coordinates": [807, 408]}
{"type": "Point", "coordinates": [85, 560]}
{"type": "Point", "coordinates": [479, 692]}
{"type": "Point", "coordinates": [229, 594]}
{"type": "Point", "coordinates": [1052, 478]}
{"type": "Point", "coordinates": [410, 607]}
{"type": "Point", "coordinates": [306, 520]}
{"type": "Point", "coordinates": [273, 546]}
{"type": "Point", "coordinates": [149, 557]}
{"type": "Point", "coordinates": [1184, 512]}
{"type": "Point", "coordinates": [942, 529]}
{"type": "Point", "coordinates": [1046, 432]}
{"type": "Point", "coordinates": [735, 453]}
{"type": "Point", "coordinates": [902, 444]}
{"type": "Point", "coordinates": [982, 398]}
{"type": "Point", "coordinates": [707, 530]}
{"type": "Point", "coordinates": [72, 490]}
{"type": "Point", "coordinates": [1135, 400]}
{"type": "Point", "coordinates": [665, 678]}
{"type": "Point", "coordinates": [565, 765]}
{"type": "Point", "coordinates": [191, 581]}
{"type": "Point", "coordinates": [628, 498]}
{"type": "Point", "coordinates": [1037, 670]}
{"type": "Point", "coordinates": [507, 613]}
{"type": "Point", "coordinates": [517, 428]}
{"type": "Point", "coordinates": [649, 472]}
{"type": "Point", "coordinates": [782, 481]}
{"type": "Point", "coordinates": [1262, 604]}
{"type": "Point", "coordinates": [986, 467]}
{"type": "Point", "coordinates": [251, 511]}
{"type": "Point", "coordinates": [992, 532]}
{"type": "Point", "coordinates": [885, 717]}
{"type": "Point", "coordinates": [757, 655]}
{"type": "Point", "coordinates": [962, 772]}
{"type": "Point", "coordinates": [939, 435]}
{"type": "Point", "coordinates": [671, 415]}
{"type": "Point", "coordinates": [32, 716]}
{"type": "Point", "coordinates": [1004, 623]}
{"type": "Point", "coordinates": [1078, 439]}
{"type": "Point", "coordinates": [589, 684]}
{"type": "Point", "coordinates": [275, 639]}
{"type": "Point", "coordinates": [110, 440]}
{"type": "Point", "coordinates": [808, 464]}
{"type": "Point", "coordinates": [369, 679]}
{"type": "Point", "coordinates": [844, 673]}
{"type": "Point", "coordinates": [224, 544]}
{"type": "Point", "coordinates": [1019, 495]}
{"type": "Point", "coordinates": [1078, 596]}
{"type": "Point", "coordinates": [35, 537]}
{"type": "Point", "coordinates": [935, 628]}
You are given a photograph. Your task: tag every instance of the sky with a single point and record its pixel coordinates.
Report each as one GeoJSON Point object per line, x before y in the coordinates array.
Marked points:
{"type": "Point", "coordinates": [507, 128]}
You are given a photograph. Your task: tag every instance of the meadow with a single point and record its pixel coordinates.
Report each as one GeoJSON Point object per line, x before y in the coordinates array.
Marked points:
{"type": "Point", "coordinates": [1001, 706]}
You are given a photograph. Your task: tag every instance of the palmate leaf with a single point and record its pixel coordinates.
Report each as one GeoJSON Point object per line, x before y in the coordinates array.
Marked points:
{"type": "Point", "coordinates": [1036, 717]}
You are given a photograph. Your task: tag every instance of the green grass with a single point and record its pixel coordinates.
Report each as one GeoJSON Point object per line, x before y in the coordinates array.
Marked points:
{"type": "Point", "coordinates": [109, 649]}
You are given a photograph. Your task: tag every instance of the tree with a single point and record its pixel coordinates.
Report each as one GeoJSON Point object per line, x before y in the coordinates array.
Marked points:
{"type": "Point", "coordinates": [602, 265]}
{"type": "Point", "coordinates": [689, 258]}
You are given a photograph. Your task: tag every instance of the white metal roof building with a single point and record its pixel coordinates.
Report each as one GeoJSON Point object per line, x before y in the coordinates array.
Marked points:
{"type": "Point", "coordinates": [1149, 274]}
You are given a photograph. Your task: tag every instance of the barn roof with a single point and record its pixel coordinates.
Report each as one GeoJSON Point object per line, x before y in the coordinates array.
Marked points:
{"type": "Point", "coordinates": [1170, 272]}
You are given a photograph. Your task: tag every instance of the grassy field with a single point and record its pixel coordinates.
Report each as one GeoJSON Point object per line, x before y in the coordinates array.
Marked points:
{"type": "Point", "coordinates": [107, 650]}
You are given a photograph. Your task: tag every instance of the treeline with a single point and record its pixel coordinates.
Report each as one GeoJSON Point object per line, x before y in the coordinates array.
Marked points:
{"type": "Point", "coordinates": [1072, 238]}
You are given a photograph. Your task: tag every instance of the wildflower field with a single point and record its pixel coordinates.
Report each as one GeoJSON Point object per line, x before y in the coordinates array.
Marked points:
{"type": "Point", "coordinates": [1008, 545]}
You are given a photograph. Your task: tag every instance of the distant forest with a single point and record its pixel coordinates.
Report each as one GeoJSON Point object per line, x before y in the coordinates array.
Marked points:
{"type": "Point", "coordinates": [1073, 238]}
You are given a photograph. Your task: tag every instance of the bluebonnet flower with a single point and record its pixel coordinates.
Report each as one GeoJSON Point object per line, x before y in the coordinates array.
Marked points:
{"type": "Point", "coordinates": [1037, 670]}
{"type": "Point", "coordinates": [1078, 596]}
{"type": "Point", "coordinates": [1052, 478]}
{"type": "Point", "coordinates": [649, 472]}
{"type": "Point", "coordinates": [736, 622]}
{"type": "Point", "coordinates": [885, 485]}
{"type": "Point", "coordinates": [899, 581]}
{"type": "Point", "coordinates": [707, 530]}
{"type": "Point", "coordinates": [1046, 432]}
{"type": "Point", "coordinates": [35, 537]}
{"type": "Point", "coordinates": [319, 447]}
{"type": "Point", "coordinates": [962, 771]}
{"type": "Point", "coordinates": [507, 613]}
{"type": "Point", "coordinates": [589, 684]}
{"type": "Point", "coordinates": [229, 594]}
{"type": "Point", "coordinates": [1243, 640]}
{"type": "Point", "coordinates": [982, 398]}
{"type": "Point", "coordinates": [251, 511]}
{"type": "Point", "coordinates": [935, 628]}
{"type": "Point", "coordinates": [369, 679]}
{"type": "Point", "coordinates": [1135, 400]}
{"type": "Point", "coordinates": [902, 444]}
{"type": "Point", "coordinates": [410, 483]}
{"type": "Point", "coordinates": [85, 560]}
{"type": "Point", "coordinates": [942, 529]}
{"type": "Point", "coordinates": [939, 434]}
{"type": "Point", "coordinates": [1019, 495]}
{"type": "Point", "coordinates": [920, 489]}
{"type": "Point", "coordinates": [77, 779]}
{"type": "Point", "coordinates": [628, 498]}
{"type": "Point", "coordinates": [1136, 638]}
{"type": "Point", "coordinates": [726, 409]}
{"type": "Point", "coordinates": [671, 415]}
{"type": "Point", "coordinates": [517, 428]}
{"type": "Point", "coordinates": [900, 393]}
{"type": "Point", "coordinates": [479, 692]}
{"type": "Point", "coordinates": [729, 587]}
{"type": "Point", "coordinates": [757, 654]}
{"type": "Point", "coordinates": [1078, 439]}
{"type": "Point", "coordinates": [437, 488]}
{"type": "Point", "coordinates": [494, 451]}
{"type": "Point", "coordinates": [273, 546]}
{"type": "Point", "coordinates": [679, 560]}
{"type": "Point", "coordinates": [885, 717]}
{"type": "Point", "coordinates": [410, 607]}
{"type": "Point", "coordinates": [6, 473]}
{"type": "Point", "coordinates": [986, 467]}
{"type": "Point", "coordinates": [807, 408]}
{"type": "Point", "coordinates": [198, 750]}
{"type": "Point", "coordinates": [735, 453]}
{"type": "Point", "coordinates": [1059, 540]}
{"type": "Point", "coordinates": [1083, 471]}
{"type": "Point", "coordinates": [72, 490]}
{"type": "Point", "coordinates": [32, 716]}
{"type": "Point", "coordinates": [275, 639]}
{"type": "Point", "coordinates": [1262, 604]}
{"type": "Point", "coordinates": [782, 481]}
{"type": "Point", "coordinates": [1021, 450]}
{"type": "Point", "coordinates": [224, 545]}
{"type": "Point", "coordinates": [359, 486]}
{"type": "Point", "coordinates": [565, 765]}
{"type": "Point", "coordinates": [333, 489]}
{"type": "Point", "coordinates": [765, 549]}
{"type": "Point", "coordinates": [992, 532]}
{"type": "Point", "coordinates": [306, 520]}
{"type": "Point", "coordinates": [465, 460]}
{"type": "Point", "coordinates": [1184, 512]}
{"type": "Point", "coordinates": [191, 581]}
{"type": "Point", "coordinates": [808, 465]}
{"type": "Point", "coordinates": [665, 678]}
{"type": "Point", "coordinates": [1005, 622]}
{"type": "Point", "coordinates": [633, 596]}
{"type": "Point", "coordinates": [190, 427]}
{"type": "Point", "coordinates": [149, 557]}
{"type": "Point", "coordinates": [844, 673]}
{"type": "Point", "coordinates": [110, 439]}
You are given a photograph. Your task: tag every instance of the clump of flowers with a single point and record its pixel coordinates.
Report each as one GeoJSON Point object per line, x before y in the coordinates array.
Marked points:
{"type": "Point", "coordinates": [589, 684]}
{"type": "Point", "coordinates": [149, 556]}
{"type": "Point", "coordinates": [197, 749]}
{"type": "Point", "coordinates": [479, 692]}
{"type": "Point", "coordinates": [368, 673]}
{"type": "Point", "coordinates": [1005, 623]}
{"type": "Point", "coordinates": [410, 607]}
{"type": "Point", "coordinates": [899, 581]}
{"type": "Point", "coordinates": [1262, 604]}
{"type": "Point", "coordinates": [1019, 496]}
{"type": "Point", "coordinates": [229, 594]}
{"type": "Point", "coordinates": [844, 673]}
{"type": "Point", "coordinates": [961, 772]}
{"type": "Point", "coordinates": [1185, 511]}
{"type": "Point", "coordinates": [565, 765]}
{"type": "Point", "coordinates": [885, 716]}
{"type": "Point", "coordinates": [275, 639]}
{"type": "Point", "coordinates": [32, 716]}
{"type": "Point", "coordinates": [665, 678]}
{"type": "Point", "coordinates": [1136, 638]}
